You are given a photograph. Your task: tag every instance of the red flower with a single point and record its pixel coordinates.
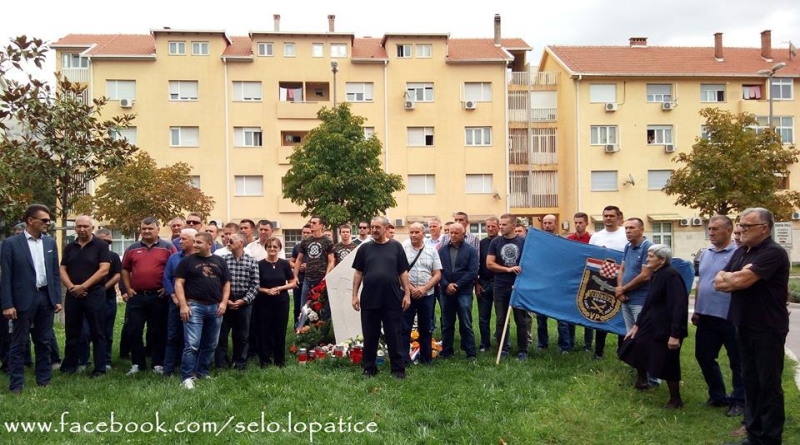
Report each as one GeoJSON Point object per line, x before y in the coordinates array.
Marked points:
{"type": "Point", "coordinates": [317, 306]}
{"type": "Point", "coordinates": [313, 297]}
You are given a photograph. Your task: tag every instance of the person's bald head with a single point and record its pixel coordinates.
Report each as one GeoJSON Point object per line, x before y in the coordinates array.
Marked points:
{"type": "Point", "coordinates": [84, 228]}
{"type": "Point", "coordinates": [549, 223]}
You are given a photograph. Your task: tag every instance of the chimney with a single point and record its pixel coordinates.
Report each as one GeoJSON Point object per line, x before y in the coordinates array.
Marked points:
{"type": "Point", "coordinates": [766, 44]}
{"type": "Point", "coordinates": [497, 29]}
{"type": "Point", "coordinates": [718, 46]}
{"type": "Point", "coordinates": [331, 22]}
{"type": "Point", "coordinates": [638, 42]}
{"type": "Point", "coordinates": [276, 19]}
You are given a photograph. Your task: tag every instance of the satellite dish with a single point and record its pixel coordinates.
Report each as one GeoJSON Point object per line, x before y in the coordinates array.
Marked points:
{"type": "Point", "coordinates": [630, 180]}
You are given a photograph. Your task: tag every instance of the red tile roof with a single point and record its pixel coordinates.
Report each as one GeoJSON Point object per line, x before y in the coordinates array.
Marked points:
{"type": "Point", "coordinates": [241, 46]}
{"type": "Point", "coordinates": [111, 44]}
{"type": "Point", "coordinates": [668, 61]}
{"type": "Point", "coordinates": [475, 49]}
{"type": "Point", "coordinates": [368, 48]}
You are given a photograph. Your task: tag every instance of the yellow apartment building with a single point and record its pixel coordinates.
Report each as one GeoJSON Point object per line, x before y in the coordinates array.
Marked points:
{"type": "Point", "coordinates": [620, 114]}
{"type": "Point", "coordinates": [234, 107]}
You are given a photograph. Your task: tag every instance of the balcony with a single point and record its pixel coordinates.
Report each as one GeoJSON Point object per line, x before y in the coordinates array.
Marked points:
{"type": "Point", "coordinates": [80, 75]}
{"type": "Point", "coordinates": [539, 147]}
{"type": "Point", "coordinates": [538, 79]}
{"type": "Point", "coordinates": [533, 115]}
{"type": "Point", "coordinates": [533, 189]}
{"type": "Point", "coordinates": [297, 110]}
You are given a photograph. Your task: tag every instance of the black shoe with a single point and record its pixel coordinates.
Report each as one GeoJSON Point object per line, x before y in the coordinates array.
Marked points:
{"type": "Point", "coordinates": [399, 375]}
{"type": "Point", "coordinates": [598, 357]}
{"type": "Point", "coordinates": [745, 441]}
{"type": "Point", "coordinates": [735, 411]}
{"type": "Point", "coordinates": [369, 373]}
{"type": "Point", "coordinates": [16, 391]}
{"type": "Point", "coordinates": [97, 374]}
{"type": "Point", "coordinates": [674, 405]}
{"type": "Point", "coordinates": [717, 403]}
{"type": "Point", "coordinates": [643, 386]}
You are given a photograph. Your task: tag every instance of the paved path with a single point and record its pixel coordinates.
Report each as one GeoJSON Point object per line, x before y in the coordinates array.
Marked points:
{"type": "Point", "coordinates": [793, 339]}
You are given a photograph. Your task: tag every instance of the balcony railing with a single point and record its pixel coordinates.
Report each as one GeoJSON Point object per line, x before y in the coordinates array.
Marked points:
{"type": "Point", "coordinates": [534, 115]}
{"type": "Point", "coordinates": [538, 79]}
{"type": "Point", "coordinates": [76, 74]}
{"type": "Point", "coordinates": [534, 189]}
{"type": "Point", "coordinates": [538, 149]}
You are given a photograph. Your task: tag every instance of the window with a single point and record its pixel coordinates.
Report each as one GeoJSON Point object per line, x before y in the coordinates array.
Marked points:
{"type": "Point", "coordinates": [125, 133]}
{"type": "Point", "coordinates": [359, 91]}
{"type": "Point", "coordinates": [659, 134]}
{"type": "Point", "coordinates": [121, 241]}
{"type": "Point", "coordinates": [290, 138]}
{"type": "Point", "coordinates": [246, 91]}
{"type": "Point", "coordinates": [317, 50]}
{"type": "Point", "coordinates": [369, 132]}
{"type": "Point", "coordinates": [74, 61]}
{"type": "Point", "coordinates": [182, 90]}
{"type": "Point", "coordinates": [781, 88]}
{"type": "Point", "coordinates": [704, 133]}
{"type": "Point", "coordinates": [604, 135]}
{"type": "Point", "coordinates": [177, 48]}
{"type": "Point", "coordinates": [194, 181]}
{"type": "Point", "coordinates": [604, 181]}
{"type": "Point", "coordinates": [712, 93]}
{"type": "Point", "coordinates": [420, 136]}
{"type": "Point", "coordinates": [480, 184]}
{"type": "Point", "coordinates": [662, 233]}
{"type": "Point", "coordinates": [603, 93]}
{"type": "Point", "coordinates": [659, 92]}
{"type": "Point", "coordinates": [121, 89]}
{"type": "Point", "coordinates": [247, 137]}
{"type": "Point", "coordinates": [424, 51]}
{"type": "Point", "coordinates": [288, 50]}
{"type": "Point", "coordinates": [478, 91]}
{"type": "Point", "coordinates": [403, 51]}
{"type": "Point", "coordinates": [419, 92]}
{"type": "Point", "coordinates": [478, 229]}
{"type": "Point", "coordinates": [479, 136]}
{"type": "Point", "coordinates": [421, 184]}
{"type": "Point", "coordinates": [290, 238]}
{"type": "Point", "coordinates": [199, 48]}
{"type": "Point", "coordinates": [290, 91]}
{"type": "Point", "coordinates": [751, 92]}
{"type": "Point", "coordinates": [265, 49]}
{"type": "Point", "coordinates": [184, 136]}
{"type": "Point", "coordinates": [249, 185]}
{"type": "Point", "coordinates": [657, 179]}
{"type": "Point", "coordinates": [784, 125]}
{"type": "Point", "coordinates": [338, 50]}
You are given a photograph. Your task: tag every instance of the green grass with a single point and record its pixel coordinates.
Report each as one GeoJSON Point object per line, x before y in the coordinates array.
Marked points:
{"type": "Point", "coordinates": [549, 399]}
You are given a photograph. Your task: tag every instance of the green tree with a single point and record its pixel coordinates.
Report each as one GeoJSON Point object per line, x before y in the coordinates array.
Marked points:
{"type": "Point", "coordinates": [62, 137]}
{"type": "Point", "coordinates": [336, 173]}
{"type": "Point", "coordinates": [140, 189]}
{"type": "Point", "coordinates": [734, 168]}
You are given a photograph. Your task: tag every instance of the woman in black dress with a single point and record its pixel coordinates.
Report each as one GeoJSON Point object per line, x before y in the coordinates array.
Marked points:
{"type": "Point", "coordinates": [272, 305]}
{"type": "Point", "coordinates": [661, 326]}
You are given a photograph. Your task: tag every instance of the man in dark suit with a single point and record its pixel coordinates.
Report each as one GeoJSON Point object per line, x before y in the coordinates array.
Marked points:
{"type": "Point", "coordinates": [31, 294]}
{"type": "Point", "coordinates": [459, 272]}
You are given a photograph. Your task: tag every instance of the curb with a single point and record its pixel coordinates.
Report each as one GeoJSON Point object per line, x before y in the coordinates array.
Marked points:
{"type": "Point", "coordinates": [791, 355]}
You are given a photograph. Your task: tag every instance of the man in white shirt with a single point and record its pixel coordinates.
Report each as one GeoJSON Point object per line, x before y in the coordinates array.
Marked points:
{"type": "Point", "coordinates": [257, 248]}
{"type": "Point", "coordinates": [611, 237]}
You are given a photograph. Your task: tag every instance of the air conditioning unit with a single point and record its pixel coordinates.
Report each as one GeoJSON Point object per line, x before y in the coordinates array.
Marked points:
{"type": "Point", "coordinates": [399, 222]}
{"type": "Point", "coordinates": [796, 216]}
{"type": "Point", "coordinates": [612, 106]}
{"type": "Point", "coordinates": [684, 222]}
{"type": "Point", "coordinates": [612, 148]}
{"type": "Point", "coordinates": [470, 105]}
{"type": "Point", "coordinates": [697, 221]}
{"type": "Point", "coordinates": [669, 148]}
{"type": "Point", "coordinates": [276, 224]}
{"type": "Point", "coordinates": [126, 103]}
{"type": "Point", "coordinates": [666, 106]}
{"type": "Point", "coordinates": [410, 105]}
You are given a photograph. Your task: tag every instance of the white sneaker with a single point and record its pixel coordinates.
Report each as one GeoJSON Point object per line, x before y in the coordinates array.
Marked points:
{"type": "Point", "coordinates": [134, 370]}
{"type": "Point", "coordinates": [158, 370]}
{"type": "Point", "coordinates": [108, 367]}
{"type": "Point", "coordinates": [188, 383]}
{"type": "Point", "coordinates": [81, 368]}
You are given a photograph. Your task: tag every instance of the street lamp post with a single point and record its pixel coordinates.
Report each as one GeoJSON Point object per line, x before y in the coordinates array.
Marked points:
{"type": "Point", "coordinates": [770, 73]}
{"type": "Point", "coordinates": [334, 70]}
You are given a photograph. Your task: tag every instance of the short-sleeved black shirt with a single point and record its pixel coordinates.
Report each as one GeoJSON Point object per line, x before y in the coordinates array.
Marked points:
{"type": "Point", "coordinates": [381, 266]}
{"type": "Point", "coordinates": [83, 262]}
{"type": "Point", "coordinates": [762, 306]}
{"type": "Point", "coordinates": [483, 272]}
{"type": "Point", "coordinates": [270, 276]}
{"type": "Point", "coordinates": [315, 251]}
{"type": "Point", "coordinates": [340, 251]}
{"type": "Point", "coordinates": [204, 277]}
{"type": "Point", "coordinates": [116, 267]}
{"type": "Point", "coordinates": [507, 253]}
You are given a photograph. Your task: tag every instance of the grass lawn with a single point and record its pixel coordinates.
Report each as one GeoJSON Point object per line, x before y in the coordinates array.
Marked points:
{"type": "Point", "coordinates": [548, 399]}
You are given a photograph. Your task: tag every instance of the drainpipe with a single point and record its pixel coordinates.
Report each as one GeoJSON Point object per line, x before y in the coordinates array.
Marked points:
{"type": "Point", "coordinates": [386, 121]}
{"type": "Point", "coordinates": [507, 137]}
{"type": "Point", "coordinates": [227, 144]}
{"type": "Point", "coordinates": [578, 156]}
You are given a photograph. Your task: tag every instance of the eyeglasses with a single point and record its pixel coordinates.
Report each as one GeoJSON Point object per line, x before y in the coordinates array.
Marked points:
{"type": "Point", "coordinates": [273, 247]}
{"type": "Point", "coordinates": [746, 227]}
{"type": "Point", "coordinates": [44, 220]}
{"type": "Point", "coordinates": [363, 227]}
{"type": "Point", "coordinates": [193, 223]}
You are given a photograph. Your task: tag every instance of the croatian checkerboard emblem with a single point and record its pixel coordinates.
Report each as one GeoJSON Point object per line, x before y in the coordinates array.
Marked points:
{"type": "Point", "coordinates": [596, 300]}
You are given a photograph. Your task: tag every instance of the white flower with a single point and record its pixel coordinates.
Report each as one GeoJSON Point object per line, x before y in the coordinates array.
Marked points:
{"type": "Point", "coordinates": [313, 317]}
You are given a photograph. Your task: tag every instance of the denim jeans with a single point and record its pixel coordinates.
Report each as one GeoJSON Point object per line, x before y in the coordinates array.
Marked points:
{"type": "Point", "coordinates": [200, 335]}
{"type": "Point", "coordinates": [543, 338]}
{"type": "Point", "coordinates": [460, 305]}
{"type": "Point", "coordinates": [174, 348]}
{"type": "Point", "coordinates": [630, 313]}
{"type": "Point", "coordinates": [522, 318]}
{"type": "Point", "coordinates": [422, 308]}
{"type": "Point", "coordinates": [485, 304]}
{"type": "Point", "coordinates": [566, 335]}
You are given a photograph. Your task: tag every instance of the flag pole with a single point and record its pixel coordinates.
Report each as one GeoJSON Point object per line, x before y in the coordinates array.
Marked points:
{"type": "Point", "coordinates": [503, 336]}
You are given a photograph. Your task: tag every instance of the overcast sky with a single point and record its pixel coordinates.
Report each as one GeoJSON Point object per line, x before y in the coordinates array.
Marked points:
{"type": "Point", "coordinates": [539, 23]}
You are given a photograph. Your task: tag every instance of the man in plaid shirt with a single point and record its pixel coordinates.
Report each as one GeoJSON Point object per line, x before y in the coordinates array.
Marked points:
{"type": "Point", "coordinates": [244, 285]}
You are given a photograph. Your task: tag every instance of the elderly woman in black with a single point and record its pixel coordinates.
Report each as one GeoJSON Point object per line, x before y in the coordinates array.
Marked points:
{"type": "Point", "coordinates": [661, 326]}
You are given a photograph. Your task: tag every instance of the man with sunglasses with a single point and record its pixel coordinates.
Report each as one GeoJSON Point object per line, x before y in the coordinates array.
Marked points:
{"type": "Point", "coordinates": [757, 276]}
{"type": "Point", "coordinates": [363, 233]}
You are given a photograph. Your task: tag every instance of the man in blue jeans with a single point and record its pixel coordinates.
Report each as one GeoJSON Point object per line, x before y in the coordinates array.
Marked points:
{"type": "Point", "coordinates": [174, 349]}
{"type": "Point", "coordinates": [203, 286]}
{"type": "Point", "coordinates": [317, 253]}
{"type": "Point", "coordinates": [459, 272]}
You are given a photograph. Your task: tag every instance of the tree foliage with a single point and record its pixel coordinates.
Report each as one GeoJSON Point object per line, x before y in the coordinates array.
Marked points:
{"type": "Point", "coordinates": [336, 173]}
{"type": "Point", "coordinates": [62, 136]}
{"type": "Point", "coordinates": [737, 166]}
{"type": "Point", "coordinates": [140, 189]}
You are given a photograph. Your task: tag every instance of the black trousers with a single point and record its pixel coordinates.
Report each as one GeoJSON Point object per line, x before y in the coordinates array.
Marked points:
{"type": "Point", "coordinates": [762, 367]}
{"type": "Point", "coordinates": [712, 334]}
{"type": "Point", "coordinates": [236, 322]}
{"type": "Point", "coordinates": [392, 320]}
{"type": "Point", "coordinates": [272, 313]}
{"type": "Point", "coordinates": [36, 322]}
{"type": "Point", "coordinates": [92, 307]}
{"type": "Point", "coordinates": [151, 309]}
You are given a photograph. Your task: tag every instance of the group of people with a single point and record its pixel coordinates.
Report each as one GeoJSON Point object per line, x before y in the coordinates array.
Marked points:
{"type": "Point", "coordinates": [193, 292]}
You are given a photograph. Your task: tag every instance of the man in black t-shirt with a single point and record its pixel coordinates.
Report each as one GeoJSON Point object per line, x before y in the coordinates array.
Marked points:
{"type": "Point", "coordinates": [202, 286]}
{"type": "Point", "coordinates": [110, 283]}
{"type": "Point", "coordinates": [757, 276]}
{"type": "Point", "coordinates": [381, 266]}
{"type": "Point", "coordinates": [345, 246]}
{"type": "Point", "coordinates": [317, 252]}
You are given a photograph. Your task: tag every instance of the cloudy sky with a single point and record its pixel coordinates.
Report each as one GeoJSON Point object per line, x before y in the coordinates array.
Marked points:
{"type": "Point", "coordinates": [540, 23]}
